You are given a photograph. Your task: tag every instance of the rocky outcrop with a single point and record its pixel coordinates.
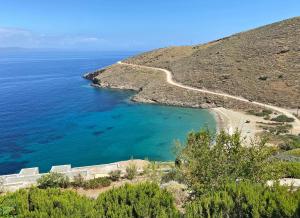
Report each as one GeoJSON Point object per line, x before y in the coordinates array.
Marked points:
{"type": "Point", "coordinates": [93, 75]}
{"type": "Point", "coordinates": [151, 87]}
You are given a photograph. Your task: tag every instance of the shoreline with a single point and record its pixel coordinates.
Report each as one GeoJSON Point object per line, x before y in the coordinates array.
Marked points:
{"type": "Point", "coordinates": [226, 119]}
{"type": "Point", "coordinates": [230, 120]}
{"type": "Point", "coordinates": [220, 121]}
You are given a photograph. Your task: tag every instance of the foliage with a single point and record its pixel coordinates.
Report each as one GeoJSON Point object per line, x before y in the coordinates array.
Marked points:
{"type": "Point", "coordinates": [97, 183]}
{"type": "Point", "coordinates": [294, 152]}
{"type": "Point", "coordinates": [262, 113]}
{"type": "Point", "coordinates": [131, 171]}
{"type": "Point", "coordinates": [92, 183]}
{"type": "Point", "coordinates": [295, 141]}
{"type": "Point", "coordinates": [246, 199]}
{"type": "Point", "coordinates": [290, 142]}
{"type": "Point", "coordinates": [283, 118]}
{"type": "Point", "coordinates": [47, 203]}
{"type": "Point", "coordinates": [278, 129]}
{"type": "Point", "coordinates": [53, 180]}
{"type": "Point", "coordinates": [143, 200]}
{"type": "Point", "coordinates": [115, 175]}
{"type": "Point", "coordinates": [207, 162]}
{"type": "Point", "coordinates": [291, 169]}
{"type": "Point", "coordinates": [78, 181]}
{"type": "Point", "coordinates": [172, 175]}
{"type": "Point", "coordinates": [5, 211]}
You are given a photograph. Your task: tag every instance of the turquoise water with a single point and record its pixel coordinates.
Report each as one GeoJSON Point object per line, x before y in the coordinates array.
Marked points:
{"type": "Point", "coordinates": [49, 115]}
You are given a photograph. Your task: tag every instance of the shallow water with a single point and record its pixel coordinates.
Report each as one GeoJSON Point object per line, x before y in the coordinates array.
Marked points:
{"type": "Point", "coordinates": [49, 115]}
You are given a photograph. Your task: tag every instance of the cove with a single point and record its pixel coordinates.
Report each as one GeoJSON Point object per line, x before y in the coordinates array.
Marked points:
{"type": "Point", "coordinates": [50, 115]}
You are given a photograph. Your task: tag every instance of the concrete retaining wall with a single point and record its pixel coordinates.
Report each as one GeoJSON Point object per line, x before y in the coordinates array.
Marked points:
{"type": "Point", "coordinates": [29, 176]}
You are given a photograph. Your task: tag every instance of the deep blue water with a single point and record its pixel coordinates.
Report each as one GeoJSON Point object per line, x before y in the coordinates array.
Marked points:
{"type": "Point", "coordinates": [50, 115]}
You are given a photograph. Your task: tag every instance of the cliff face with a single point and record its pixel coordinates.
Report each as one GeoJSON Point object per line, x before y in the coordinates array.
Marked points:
{"type": "Point", "coordinates": [262, 64]}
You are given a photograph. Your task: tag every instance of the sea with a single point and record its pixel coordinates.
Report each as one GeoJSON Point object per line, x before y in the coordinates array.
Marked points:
{"type": "Point", "coordinates": [50, 115]}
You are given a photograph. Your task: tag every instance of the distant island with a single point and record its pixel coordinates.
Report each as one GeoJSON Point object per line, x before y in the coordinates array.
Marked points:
{"type": "Point", "coordinates": [245, 73]}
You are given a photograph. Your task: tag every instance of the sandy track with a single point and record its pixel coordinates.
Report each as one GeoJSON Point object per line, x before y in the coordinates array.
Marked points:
{"type": "Point", "coordinates": [170, 80]}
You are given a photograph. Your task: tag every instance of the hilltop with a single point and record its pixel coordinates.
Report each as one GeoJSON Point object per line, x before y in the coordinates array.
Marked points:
{"type": "Point", "coordinates": [261, 65]}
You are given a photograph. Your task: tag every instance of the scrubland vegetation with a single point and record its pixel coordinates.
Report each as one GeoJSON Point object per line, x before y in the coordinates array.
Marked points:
{"type": "Point", "coordinates": [217, 176]}
{"type": "Point", "coordinates": [144, 200]}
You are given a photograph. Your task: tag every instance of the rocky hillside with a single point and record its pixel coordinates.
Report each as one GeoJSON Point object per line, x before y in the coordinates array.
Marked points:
{"type": "Point", "coordinates": [262, 65]}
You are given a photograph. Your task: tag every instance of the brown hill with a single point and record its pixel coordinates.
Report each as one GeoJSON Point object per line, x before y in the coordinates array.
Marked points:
{"type": "Point", "coordinates": [262, 64]}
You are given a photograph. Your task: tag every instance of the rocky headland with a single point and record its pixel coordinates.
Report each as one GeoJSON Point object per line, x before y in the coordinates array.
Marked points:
{"type": "Point", "coordinates": [260, 65]}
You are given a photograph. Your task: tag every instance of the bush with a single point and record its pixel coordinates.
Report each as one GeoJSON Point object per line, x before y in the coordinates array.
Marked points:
{"type": "Point", "coordinates": [92, 183]}
{"type": "Point", "coordinates": [143, 200]}
{"type": "Point", "coordinates": [261, 113]}
{"type": "Point", "coordinates": [115, 175]}
{"type": "Point", "coordinates": [47, 203]}
{"type": "Point", "coordinates": [279, 129]}
{"type": "Point", "coordinates": [293, 152]}
{"type": "Point", "coordinates": [131, 171]}
{"type": "Point", "coordinates": [291, 169]}
{"type": "Point", "coordinates": [78, 181]}
{"type": "Point", "coordinates": [207, 162]}
{"type": "Point", "coordinates": [173, 175]}
{"type": "Point", "coordinates": [97, 183]}
{"type": "Point", "coordinates": [290, 142]}
{"type": "Point", "coordinates": [245, 199]}
{"type": "Point", "coordinates": [282, 118]}
{"type": "Point", "coordinates": [53, 180]}
{"type": "Point", "coordinates": [294, 141]}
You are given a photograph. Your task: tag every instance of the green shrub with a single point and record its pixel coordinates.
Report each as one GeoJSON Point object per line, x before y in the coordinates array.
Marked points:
{"type": "Point", "coordinates": [173, 175]}
{"type": "Point", "coordinates": [143, 200]}
{"type": "Point", "coordinates": [283, 118]}
{"type": "Point", "coordinates": [78, 181]}
{"type": "Point", "coordinates": [53, 180]}
{"type": "Point", "coordinates": [131, 171]}
{"type": "Point", "coordinates": [265, 113]}
{"type": "Point", "coordinates": [115, 175]}
{"type": "Point", "coordinates": [291, 169]}
{"type": "Point", "coordinates": [207, 162]}
{"type": "Point", "coordinates": [294, 141]}
{"type": "Point", "coordinates": [92, 183]}
{"type": "Point", "coordinates": [97, 183]}
{"type": "Point", "coordinates": [293, 152]}
{"type": "Point", "coordinates": [47, 203]}
{"type": "Point", "coordinates": [246, 199]}
{"type": "Point", "coordinates": [289, 142]}
{"type": "Point", "coordinates": [255, 113]}
{"type": "Point", "coordinates": [278, 129]}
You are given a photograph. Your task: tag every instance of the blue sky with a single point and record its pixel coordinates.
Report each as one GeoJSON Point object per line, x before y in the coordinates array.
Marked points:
{"type": "Point", "coordinates": [132, 24]}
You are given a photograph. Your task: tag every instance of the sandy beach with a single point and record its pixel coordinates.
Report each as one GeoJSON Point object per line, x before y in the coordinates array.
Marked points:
{"type": "Point", "coordinates": [230, 120]}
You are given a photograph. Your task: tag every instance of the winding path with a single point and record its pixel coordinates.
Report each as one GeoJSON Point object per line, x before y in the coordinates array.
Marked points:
{"type": "Point", "coordinates": [171, 81]}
